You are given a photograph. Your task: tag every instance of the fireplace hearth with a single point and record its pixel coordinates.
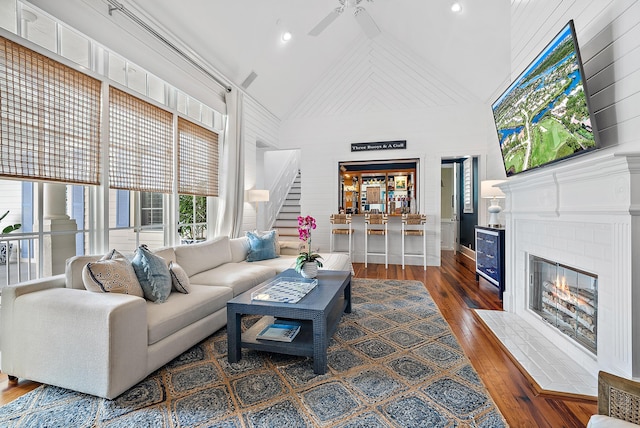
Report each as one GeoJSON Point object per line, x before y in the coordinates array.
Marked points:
{"type": "Point", "coordinates": [566, 298]}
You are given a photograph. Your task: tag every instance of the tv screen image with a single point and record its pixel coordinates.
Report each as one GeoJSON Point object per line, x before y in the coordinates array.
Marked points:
{"type": "Point", "coordinates": [544, 116]}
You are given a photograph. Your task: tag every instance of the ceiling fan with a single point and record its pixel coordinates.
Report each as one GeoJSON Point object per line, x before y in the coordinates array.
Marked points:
{"type": "Point", "coordinates": [362, 16]}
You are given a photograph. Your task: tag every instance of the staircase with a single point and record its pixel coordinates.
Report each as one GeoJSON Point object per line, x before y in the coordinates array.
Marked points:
{"type": "Point", "coordinates": [287, 219]}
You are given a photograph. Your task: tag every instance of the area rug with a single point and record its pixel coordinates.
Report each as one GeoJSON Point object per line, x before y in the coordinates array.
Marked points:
{"type": "Point", "coordinates": [393, 362]}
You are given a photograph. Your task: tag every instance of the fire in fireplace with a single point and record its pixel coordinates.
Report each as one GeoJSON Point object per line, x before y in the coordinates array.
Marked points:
{"type": "Point", "coordinates": [567, 298]}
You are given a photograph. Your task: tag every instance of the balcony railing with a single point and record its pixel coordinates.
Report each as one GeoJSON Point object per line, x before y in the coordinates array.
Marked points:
{"type": "Point", "coordinates": [22, 255]}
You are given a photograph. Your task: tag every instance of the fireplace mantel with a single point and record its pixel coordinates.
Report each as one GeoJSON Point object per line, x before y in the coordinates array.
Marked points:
{"type": "Point", "coordinates": [584, 212]}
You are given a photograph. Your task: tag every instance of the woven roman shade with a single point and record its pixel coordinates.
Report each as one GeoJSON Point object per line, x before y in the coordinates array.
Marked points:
{"type": "Point", "coordinates": [49, 118]}
{"type": "Point", "coordinates": [141, 144]}
{"type": "Point", "coordinates": [197, 160]}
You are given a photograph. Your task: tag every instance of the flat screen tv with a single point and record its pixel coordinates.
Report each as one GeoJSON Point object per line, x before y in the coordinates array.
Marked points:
{"type": "Point", "coordinates": [544, 116]}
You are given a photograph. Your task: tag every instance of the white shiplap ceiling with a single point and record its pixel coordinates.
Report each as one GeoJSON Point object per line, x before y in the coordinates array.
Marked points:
{"type": "Point", "coordinates": [240, 36]}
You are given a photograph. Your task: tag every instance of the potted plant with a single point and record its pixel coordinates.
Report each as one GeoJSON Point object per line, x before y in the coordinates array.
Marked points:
{"type": "Point", "coordinates": [5, 250]}
{"type": "Point", "coordinates": [308, 262]}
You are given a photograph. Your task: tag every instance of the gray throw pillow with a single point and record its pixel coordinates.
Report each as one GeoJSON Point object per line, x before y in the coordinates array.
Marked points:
{"type": "Point", "coordinates": [153, 275]}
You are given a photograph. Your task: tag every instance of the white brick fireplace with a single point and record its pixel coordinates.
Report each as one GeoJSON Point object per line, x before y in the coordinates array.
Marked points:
{"type": "Point", "coordinates": [584, 213]}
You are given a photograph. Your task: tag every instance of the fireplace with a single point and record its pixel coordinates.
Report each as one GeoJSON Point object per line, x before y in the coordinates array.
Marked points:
{"type": "Point", "coordinates": [566, 298]}
{"type": "Point", "coordinates": [582, 218]}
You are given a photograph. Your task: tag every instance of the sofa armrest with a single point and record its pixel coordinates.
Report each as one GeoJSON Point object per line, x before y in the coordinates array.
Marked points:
{"type": "Point", "coordinates": [94, 343]}
{"type": "Point", "coordinates": [291, 248]}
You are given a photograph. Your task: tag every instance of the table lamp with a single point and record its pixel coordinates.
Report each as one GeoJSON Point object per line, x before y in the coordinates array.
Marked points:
{"type": "Point", "coordinates": [488, 190]}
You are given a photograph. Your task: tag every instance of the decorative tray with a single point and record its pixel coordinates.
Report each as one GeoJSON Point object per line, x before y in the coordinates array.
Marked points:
{"type": "Point", "coordinates": [284, 290]}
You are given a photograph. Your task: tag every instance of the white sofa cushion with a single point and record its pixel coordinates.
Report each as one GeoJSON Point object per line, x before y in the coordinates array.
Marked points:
{"type": "Point", "coordinates": [167, 253]}
{"type": "Point", "coordinates": [181, 310]}
{"type": "Point", "coordinates": [238, 276]}
{"type": "Point", "coordinates": [239, 249]}
{"type": "Point", "coordinates": [602, 421]}
{"type": "Point", "coordinates": [196, 258]}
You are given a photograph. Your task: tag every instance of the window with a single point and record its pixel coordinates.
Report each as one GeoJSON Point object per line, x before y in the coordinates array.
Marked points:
{"type": "Point", "coordinates": [151, 208]}
{"type": "Point", "coordinates": [50, 122]}
{"type": "Point", "coordinates": [192, 225]}
{"type": "Point", "coordinates": [467, 175]}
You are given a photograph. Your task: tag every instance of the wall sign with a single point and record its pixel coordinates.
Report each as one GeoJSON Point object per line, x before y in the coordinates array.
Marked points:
{"type": "Point", "coordinates": [380, 145]}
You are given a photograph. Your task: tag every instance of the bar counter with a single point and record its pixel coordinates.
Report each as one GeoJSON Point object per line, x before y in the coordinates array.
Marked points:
{"type": "Point", "coordinates": [413, 244]}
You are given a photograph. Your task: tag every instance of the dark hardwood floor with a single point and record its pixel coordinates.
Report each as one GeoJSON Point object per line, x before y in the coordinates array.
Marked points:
{"type": "Point", "coordinates": [455, 291]}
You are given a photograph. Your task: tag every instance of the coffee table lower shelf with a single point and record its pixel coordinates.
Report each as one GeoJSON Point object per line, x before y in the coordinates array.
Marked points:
{"type": "Point", "coordinates": [301, 345]}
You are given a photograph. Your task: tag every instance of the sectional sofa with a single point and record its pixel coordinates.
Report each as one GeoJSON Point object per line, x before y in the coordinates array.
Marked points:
{"type": "Point", "coordinates": [54, 331]}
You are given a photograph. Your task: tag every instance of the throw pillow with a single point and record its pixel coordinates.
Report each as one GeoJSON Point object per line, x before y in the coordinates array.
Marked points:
{"type": "Point", "coordinates": [179, 278]}
{"type": "Point", "coordinates": [113, 273]}
{"type": "Point", "coordinates": [153, 274]}
{"type": "Point", "coordinates": [262, 246]}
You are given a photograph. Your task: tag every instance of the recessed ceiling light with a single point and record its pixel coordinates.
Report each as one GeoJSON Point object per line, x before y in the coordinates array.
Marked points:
{"type": "Point", "coordinates": [456, 7]}
{"type": "Point", "coordinates": [286, 36]}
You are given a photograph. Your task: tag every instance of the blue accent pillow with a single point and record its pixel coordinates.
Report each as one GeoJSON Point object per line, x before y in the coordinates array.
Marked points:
{"type": "Point", "coordinates": [153, 275]}
{"type": "Point", "coordinates": [262, 246]}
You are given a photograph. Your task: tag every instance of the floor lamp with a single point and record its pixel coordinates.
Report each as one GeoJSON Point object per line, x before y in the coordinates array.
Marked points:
{"type": "Point", "coordinates": [488, 190]}
{"type": "Point", "coordinates": [257, 196]}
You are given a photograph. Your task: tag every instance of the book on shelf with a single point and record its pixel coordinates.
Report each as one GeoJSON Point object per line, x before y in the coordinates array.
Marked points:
{"type": "Point", "coordinates": [280, 331]}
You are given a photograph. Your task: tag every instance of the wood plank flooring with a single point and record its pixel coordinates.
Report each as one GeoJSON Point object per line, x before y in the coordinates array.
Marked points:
{"type": "Point", "coordinates": [455, 291]}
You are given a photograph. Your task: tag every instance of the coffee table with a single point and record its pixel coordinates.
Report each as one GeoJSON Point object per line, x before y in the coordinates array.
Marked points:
{"type": "Point", "coordinates": [319, 312]}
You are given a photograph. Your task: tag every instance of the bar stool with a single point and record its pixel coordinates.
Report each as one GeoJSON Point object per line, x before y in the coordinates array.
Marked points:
{"type": "Point", "coordinates": [341, 226]}
{"type": "Point", "coordinates": [415, 225]}
{"type": "Point", "coordinates": [376, 224]}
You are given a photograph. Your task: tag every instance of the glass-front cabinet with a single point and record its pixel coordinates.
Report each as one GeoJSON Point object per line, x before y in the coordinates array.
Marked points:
{"type": "Point", "coordinates": [388, 187]}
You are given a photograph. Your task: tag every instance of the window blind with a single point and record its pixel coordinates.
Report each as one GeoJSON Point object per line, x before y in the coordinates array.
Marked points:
{"type": "Point", "coordinates": [197, 160]}
{"type": "Point", "coordinates": [141, 144]}
{"type": "Point", "coordinates": [49, 118]}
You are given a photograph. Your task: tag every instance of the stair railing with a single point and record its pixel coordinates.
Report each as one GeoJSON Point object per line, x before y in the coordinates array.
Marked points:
{"type": "Point", "coordinates": [280, 189]}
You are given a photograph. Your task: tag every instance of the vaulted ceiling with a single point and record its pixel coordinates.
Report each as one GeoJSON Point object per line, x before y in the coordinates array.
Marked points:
{"type": "Point", "coordinates": [449, 57]}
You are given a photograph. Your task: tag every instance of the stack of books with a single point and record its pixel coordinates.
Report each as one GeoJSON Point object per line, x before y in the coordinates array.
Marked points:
{"type": "Point", "coordinates": [280, 331]}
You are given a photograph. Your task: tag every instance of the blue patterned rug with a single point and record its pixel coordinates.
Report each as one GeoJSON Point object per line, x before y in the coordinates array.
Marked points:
{"type": "Point", "coordinates": [393, 362]}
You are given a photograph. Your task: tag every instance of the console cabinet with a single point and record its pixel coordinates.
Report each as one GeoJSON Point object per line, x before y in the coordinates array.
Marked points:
{"type": "Point", "coordinates": [490, 256]}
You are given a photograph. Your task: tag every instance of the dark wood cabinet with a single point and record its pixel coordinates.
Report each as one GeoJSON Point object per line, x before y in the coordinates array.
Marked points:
{"type": "Point", "coordinates": [490, 256]}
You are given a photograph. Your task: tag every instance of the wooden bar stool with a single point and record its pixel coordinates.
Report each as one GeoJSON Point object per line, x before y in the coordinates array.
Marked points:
{"type": "Point", "coordinates": [415, 225]}
{"type": "Point", "coordinates": [341, 226]}
{"type": "Point", "coordinates": [376, 224]}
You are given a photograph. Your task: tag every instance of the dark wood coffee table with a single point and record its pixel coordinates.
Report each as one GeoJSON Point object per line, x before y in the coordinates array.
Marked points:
{"type": "Point", "coordinates": [319, 312]}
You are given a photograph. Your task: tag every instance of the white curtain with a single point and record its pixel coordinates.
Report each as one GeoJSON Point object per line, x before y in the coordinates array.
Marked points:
{"type": "Point", "coordinates": [231, 200]}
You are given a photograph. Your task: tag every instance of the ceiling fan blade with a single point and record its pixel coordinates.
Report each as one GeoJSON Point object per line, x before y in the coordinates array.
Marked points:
{"type": "Point", "coordinates": [366, 22]}
{"type": "Point", "coordinates": [322, 25]}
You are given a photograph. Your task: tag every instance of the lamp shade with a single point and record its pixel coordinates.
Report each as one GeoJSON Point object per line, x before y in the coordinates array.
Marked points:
{"type": "Point", "coordinates": [256, 195]}
{"type": "Point", "coordinates": [487, 189]}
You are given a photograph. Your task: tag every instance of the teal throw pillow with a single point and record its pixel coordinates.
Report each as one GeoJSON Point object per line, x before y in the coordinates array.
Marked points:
{"type": "Point", "coordinates": [262, 246]}
{"type": "Point", "coordinates": [153, 275]}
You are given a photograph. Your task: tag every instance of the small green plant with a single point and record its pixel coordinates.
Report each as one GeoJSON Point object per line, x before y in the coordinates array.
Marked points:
{"type": "Point", "coordinates": [11, 227]}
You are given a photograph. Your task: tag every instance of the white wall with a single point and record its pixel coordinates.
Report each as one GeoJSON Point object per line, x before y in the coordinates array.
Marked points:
{"type": "Point", "coordinates": [609, 39]}
{"type": "Point", "coordinates": [378, 92]}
